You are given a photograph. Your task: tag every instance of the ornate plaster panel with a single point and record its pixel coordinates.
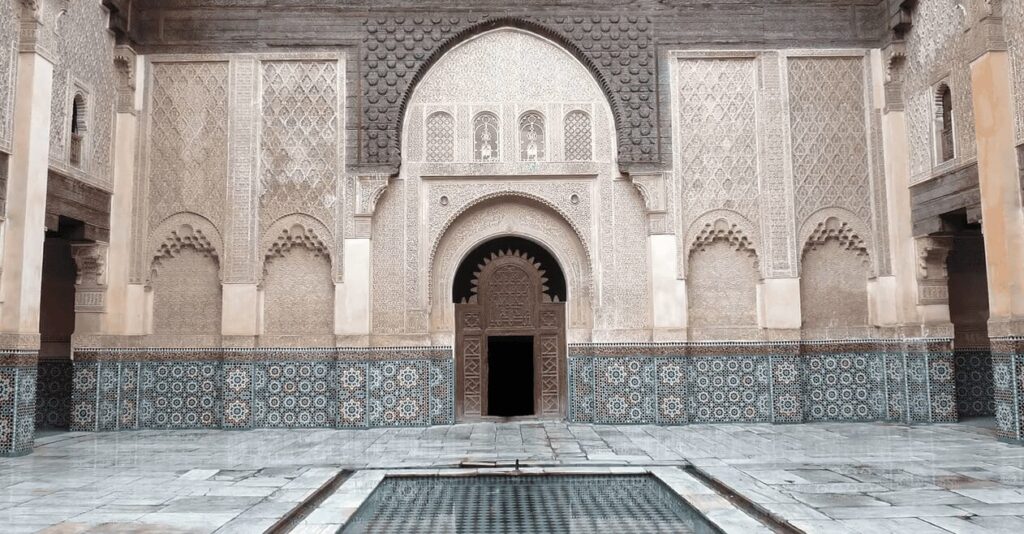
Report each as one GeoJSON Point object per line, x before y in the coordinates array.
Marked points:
{"type": "Point", "coordinates": [298, 293]}
{"type": "Point", "coordinates": [717, 130]}
{"type": "Point", "coordinates": [397, 51]}
{"type": "Point", "coordinates": [83, 56]}
{"type": "Point", "coordinates": [299, 150]}
{"type": "Point", "coordinates": [831, 165]}
{"type": "Point", "coordinates": [833, 290]}
{"type": "Point", "coordinates": [722, 291]}
{"type": "Point", "coordinates": [186, 294]}
{"type": "Point", "coordinates": [8, 69]}
{"type": "Point", "coordinates": [938, 49]}
{"type": "Point", "coordinates": [188, 140]}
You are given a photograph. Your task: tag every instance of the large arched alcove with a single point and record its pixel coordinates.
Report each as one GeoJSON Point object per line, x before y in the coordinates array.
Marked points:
{"type": "Point", "coordinates": [525, 219]}
{"type": "Point", "coordinates": [548, 174]}
{"type": "Point", "coordinates": [510, 350]}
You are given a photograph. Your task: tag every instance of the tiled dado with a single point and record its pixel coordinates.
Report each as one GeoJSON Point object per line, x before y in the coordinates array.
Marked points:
{"type": "Point", "coordinates": [17, 401]}
{"type": "Point", "coordinates": [761, 382]}
{"type": "Point", "coordinates": [261, 388]}
{"type": "Point", "coordinates": [1008, 385]}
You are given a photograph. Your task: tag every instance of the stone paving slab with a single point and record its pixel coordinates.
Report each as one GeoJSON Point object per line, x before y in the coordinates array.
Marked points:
{"type": "Point", "coordinates": [826, 477]}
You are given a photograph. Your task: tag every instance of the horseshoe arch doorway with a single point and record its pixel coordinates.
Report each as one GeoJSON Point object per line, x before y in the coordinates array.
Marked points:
{"type": "Point", "coordinates": [510, 346]}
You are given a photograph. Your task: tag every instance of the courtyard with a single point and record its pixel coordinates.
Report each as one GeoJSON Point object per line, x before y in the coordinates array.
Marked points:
{"type": "Point", "coordinates": [824, 477]}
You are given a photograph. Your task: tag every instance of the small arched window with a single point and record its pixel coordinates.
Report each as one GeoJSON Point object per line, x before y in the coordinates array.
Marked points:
{"type": "Point", "coordinates": [945, 149]}
{"type": "Point", "coordinates": [78, 128]}
{"type": "Point", "coordinates": [440, 137]}
{"type": "Point", "coordinates": [578, 143]}
{"type": "Point", "coordinates": [486, 141]}
{"type": "Point", "coordinates": [531, 137]}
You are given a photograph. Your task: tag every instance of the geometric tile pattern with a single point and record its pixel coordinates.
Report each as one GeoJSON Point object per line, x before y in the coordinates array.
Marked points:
{"type": "Point", "coordinates": [399, 394]}
{"type": "Point", "coordinates": [974, 386]}
{"type": "Point", "coordinates": [240, 389]}
{"type": "Point", "coordinates": [788, 398]}
{"type": "Point", "coordinates": [53, 394]}
{"type": "Point", "coordinates": [17, 402]}
{"type": "Point", "coordinates": [1008, 386]}
{"type": "Point", "coordinates": [624, 391]}
{"type": "Point", "coordinates": [293, 394]}
{"type": "Point", "coordinates": [581, 390]}
{"type": "Point", "coordinates": [787, 383]}
{"type": "Point", "coordinates": [180, 395]}
{"type": "Point", "coordinates": [844, 387]}
{"type": "Point", "coordinates": [731, 388]}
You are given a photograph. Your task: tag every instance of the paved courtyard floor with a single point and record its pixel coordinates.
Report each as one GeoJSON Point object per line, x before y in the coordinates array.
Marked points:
{"type": "Point", "coordinates": [819, 477]}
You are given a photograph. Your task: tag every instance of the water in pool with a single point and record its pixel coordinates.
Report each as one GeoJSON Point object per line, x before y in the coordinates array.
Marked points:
{"type": "Point", "coordinates": [605, 504]}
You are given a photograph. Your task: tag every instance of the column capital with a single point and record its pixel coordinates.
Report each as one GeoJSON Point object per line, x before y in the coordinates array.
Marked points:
{"type": "Point", "coordinates": [369, 190]}
{"type": "Point", "coordinates": [653, 188]}
{"type": "Point", "coordinates": [91, 282]}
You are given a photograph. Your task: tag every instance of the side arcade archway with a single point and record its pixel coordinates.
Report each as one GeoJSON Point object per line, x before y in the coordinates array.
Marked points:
{"type": "Point", "coordinates": [510, 323]}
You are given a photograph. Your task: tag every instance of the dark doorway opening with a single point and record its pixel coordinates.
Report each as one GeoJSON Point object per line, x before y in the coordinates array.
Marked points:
{"type": "Point", "coordinates": [968, 311]}
{"type": "Point", "coordinates": [56, 326]}
{"type": "Point", "coordinates": [510, 388]}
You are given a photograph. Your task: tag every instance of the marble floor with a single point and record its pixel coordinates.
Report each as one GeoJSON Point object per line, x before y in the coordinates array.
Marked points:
{"type": "Point", "coordinates": [870, 477]}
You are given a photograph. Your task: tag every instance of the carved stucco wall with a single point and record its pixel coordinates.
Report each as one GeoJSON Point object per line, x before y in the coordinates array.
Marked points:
{"type": "Point", "coordinates": [769, 145]}
{"type": "Point", "coordinates": [722, 292]}
{"type": "Point", "coordinates": [187, 147]}
{"type": "Point", "coordinates": [298, 294]}
{"type": "Point", "coordinates": [8, 68]}
{"type": "Point", "coordinates": [76, 35]}
{"type": "Point", "coordinates": [833, 291]}
{"type": "Point", "coordinates": [937, 50]}
{"type": "Point", "coordinates": [496, 73]}
{"type": "Point", "coordinates": [248, 147]}
{"type": "Point", "coordinates": [186, 295]}
{"type": "Point", "coordinates": [300, 145]}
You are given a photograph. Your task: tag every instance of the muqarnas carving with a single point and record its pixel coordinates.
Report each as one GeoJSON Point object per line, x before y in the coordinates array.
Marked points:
{"type": "Point", "coordinates": [186, 285]}
{"type": "Point", "coordinates": [298, 289]}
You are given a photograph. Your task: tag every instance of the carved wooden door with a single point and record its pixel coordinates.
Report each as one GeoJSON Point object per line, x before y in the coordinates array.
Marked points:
{"type": "Point", "coordinates": [510, 300]}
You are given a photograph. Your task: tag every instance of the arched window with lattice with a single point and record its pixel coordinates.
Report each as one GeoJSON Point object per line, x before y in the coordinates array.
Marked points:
{"type": "Point", "coordinates": [578, 137]}
{"type": "Point", "coordinates": [440, 137]}
{"type": "Point", "coordinates": [486, 139]}
{"type": "Point", "coordinates": [78, 129]}
{"type": "Point", "coordinates": [945, 148]}
{"type": "Point", "coordinates": [531, 137]}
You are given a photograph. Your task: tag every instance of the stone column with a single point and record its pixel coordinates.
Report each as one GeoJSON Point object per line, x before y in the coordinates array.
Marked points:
{"type": "Point", "coordinates": [21, 278]}
{"type": "Point", "coordinates": [1003, 227]}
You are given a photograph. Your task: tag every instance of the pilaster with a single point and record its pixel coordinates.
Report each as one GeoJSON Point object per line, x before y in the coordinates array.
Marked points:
{"type": "Point", "coordinates": [120, 306]}
{"type": "Point", "coordinates": [23, 235]}
{"type": "Point", "coordinates": [1003, 226]}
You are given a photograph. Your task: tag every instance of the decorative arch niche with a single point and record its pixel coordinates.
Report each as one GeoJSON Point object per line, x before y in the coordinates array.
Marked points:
{"type": "Point", "coordinates": [834, 271]}
{"type": "Point", "coordinates": [722, 279]}
{"type": "Point", "coordinates": [184, 277]}
{"type": "Point", "coordinates": [520, 218]}
{"type": "Point", "coordinates": [298, 285]}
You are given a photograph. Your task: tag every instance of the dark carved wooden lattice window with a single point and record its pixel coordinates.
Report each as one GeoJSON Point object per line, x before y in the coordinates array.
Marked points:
{"type": "Point", "coordinates": [945, 101]}
{"type": "Point", "coordinates": [77, 129]}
